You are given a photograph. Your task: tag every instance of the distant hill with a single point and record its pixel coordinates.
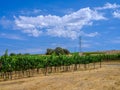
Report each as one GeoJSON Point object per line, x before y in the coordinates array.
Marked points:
{"type": "Point", "coordinates": [102, 52]}
{"type": "Point", "coordinates": [112, 51]}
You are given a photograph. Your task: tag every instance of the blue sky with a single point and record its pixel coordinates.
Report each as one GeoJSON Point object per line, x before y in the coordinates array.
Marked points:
{"type": "Point", "coordinates": [33, 26]}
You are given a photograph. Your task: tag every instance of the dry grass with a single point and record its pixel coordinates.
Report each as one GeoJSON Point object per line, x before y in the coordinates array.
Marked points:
{"type": "Point", "coordinates": [105, 78]}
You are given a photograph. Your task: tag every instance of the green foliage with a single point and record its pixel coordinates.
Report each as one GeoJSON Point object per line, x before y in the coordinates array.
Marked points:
{"type": "Point", "coordinates": [49, 51]}
{"type": "Point", "coordinates": [12, 54]}
{"type": "Point", "coordinates": [66, 51]}
{"type": "Point", "coordinates": [6, 53]}
{"type": "Point", "coordinates": [57, 51]}
{"type": "Point", "coordinates": [25, 62]}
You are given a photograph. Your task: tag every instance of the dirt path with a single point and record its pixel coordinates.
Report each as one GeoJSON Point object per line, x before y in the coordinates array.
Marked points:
{"type": "Point", "coordinates": [105, 78]}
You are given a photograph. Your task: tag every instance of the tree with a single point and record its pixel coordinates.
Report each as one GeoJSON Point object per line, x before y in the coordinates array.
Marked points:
{"type": "Point", "coordinates": [19, 54]}
{"type": "Point", "coordinates": [12, 54]}
{"type": "Point", "coordinates": [49, 51]}
{"type": "Point", "coordinates": [27, 54]}
{"type": "Point", "coordinates": [59, 51]}
{"type": "Point", "coordinates": [66, 51]}
{"type": "Point", "coordinates": [6, 53]}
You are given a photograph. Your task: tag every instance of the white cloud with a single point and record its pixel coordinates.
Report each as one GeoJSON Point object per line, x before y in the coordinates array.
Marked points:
{"type": "Point", "coordinates": [6, 23]}
{"type": "Point", "coordinates": [10, 36]}
{"type": "Point", "coordinates": [108, 6]}
{"type": "Point", "coordinates": [116, 14]}
{"type": "Point", "coordinates": [92, 34]}
{"type": "Point", "coordinates": [68, 26]}
{"type": "Point", "coordinates": [29, 12]}
{"type": "Point", "coordinates": [32, 32]}
{"type": "Point", "coordinates": [68, 11]}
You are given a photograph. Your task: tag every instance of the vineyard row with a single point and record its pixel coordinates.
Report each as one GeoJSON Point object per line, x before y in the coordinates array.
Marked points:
{"type": "Point", "coordinates": [26, 66]}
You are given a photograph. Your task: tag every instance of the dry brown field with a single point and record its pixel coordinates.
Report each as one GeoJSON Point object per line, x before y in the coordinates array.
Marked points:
{"type": "Point", "coordinates": [105, 78]}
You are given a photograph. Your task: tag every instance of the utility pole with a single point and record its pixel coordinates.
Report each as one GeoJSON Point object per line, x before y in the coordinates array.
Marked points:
{"type": "Point", "coordinates": [80, 45]}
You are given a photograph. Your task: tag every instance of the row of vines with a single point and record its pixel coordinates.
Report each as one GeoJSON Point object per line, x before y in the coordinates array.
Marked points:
{"type": "Point", "coordinates": [13, 67]}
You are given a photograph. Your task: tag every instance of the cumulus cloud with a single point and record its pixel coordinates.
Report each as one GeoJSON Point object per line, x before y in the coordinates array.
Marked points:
{"type": "Point", "coordinates": [68, 26]}
{"type": "Point", "coordinates": [116, 14]}
{"type": "Point", "coordinates": [108, 6]}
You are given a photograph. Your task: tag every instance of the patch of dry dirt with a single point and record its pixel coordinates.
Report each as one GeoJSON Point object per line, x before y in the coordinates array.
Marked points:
{"type": "Point", "coordinates": [105, 78]}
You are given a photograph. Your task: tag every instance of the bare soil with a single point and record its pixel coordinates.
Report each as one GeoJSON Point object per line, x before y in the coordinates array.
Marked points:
{"type": "Point", "coordinates": [105, 78]}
